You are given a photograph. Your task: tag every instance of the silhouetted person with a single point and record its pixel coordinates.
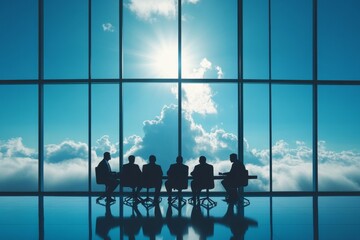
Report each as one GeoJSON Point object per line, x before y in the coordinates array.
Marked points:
{"type": "Point", "coordinates": [152, 177]}
{"type": "Point", "coordinates": [234, 178]}
{"type": "Point", "coordinates": [177, 177]}
{"type": "Point", "coordinates": [109, 177]}
{"type": "Point", "coordinates": [130, 174]}
{"type": "Point", "coordinates": [203, 178]}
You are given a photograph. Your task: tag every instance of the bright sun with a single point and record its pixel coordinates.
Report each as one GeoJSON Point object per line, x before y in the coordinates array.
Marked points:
{"type": "Point", "coordinates": [164, 59]}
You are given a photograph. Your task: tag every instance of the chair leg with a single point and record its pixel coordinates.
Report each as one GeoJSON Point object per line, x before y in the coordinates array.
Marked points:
{"type": "Point", "coordinates": [207, 202]}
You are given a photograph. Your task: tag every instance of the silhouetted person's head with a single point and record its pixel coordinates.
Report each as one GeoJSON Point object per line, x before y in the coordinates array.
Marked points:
{"type": "Point", "coordinates": [152, 159]}
{"type": "Point", "coordinates": [107, 156]}
{"type": "Point", "coordinates": [131, 159]}
{"type": "Point", "coordinates": [233, 157]}
{"type": "Point", "coordinates": [202, 159]}
{"type": "Point", "coordinates": [179, 159]}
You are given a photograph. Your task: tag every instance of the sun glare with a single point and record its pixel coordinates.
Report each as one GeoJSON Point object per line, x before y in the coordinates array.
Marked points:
{"type": "Point", "coordinates": [165, 60]}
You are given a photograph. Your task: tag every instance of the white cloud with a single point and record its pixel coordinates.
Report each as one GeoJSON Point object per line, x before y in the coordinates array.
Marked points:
{"type": "Point", "coordinates": [198, 98]}
{"type": "Point", "coordinates": [219, 72]}
{"type": "Point", "coordinates": [149, 10]}
{"type": "Point", "coordinates": [66, 150]}
{"type": "Point", "coordinates": [108, 27]}
{"type": "Point", "coordinates": [191, 1]}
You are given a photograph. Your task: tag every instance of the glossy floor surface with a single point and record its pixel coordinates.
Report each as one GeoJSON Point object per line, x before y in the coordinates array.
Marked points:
{"type": "Point", "coordinates": [265, 218]}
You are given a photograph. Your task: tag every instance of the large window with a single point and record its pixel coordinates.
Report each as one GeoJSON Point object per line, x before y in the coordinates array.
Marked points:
{"type": "Point", "coordinates": [276, 82]}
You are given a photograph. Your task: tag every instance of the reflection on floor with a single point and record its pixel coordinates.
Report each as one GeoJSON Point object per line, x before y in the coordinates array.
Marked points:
{"type": "Point", "coordinates": [265, 218]}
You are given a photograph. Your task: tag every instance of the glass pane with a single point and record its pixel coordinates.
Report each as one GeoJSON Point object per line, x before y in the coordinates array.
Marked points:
{"type": "Point", "coordinates": [66, 218]}
{"type": "Point", "coordinates": [150, 40]}
{"type": "Point", "coordinates": [291, 39]}
{"type": "Point", "coordinates": [338, 39]}
{"type": "Point", "coordinates": [209, 39]}
{"type": "Point", "coordinates": [339, 142]}
{"type": "Point", "coordinates": [292, 218]}
{"type": "Point", "coordinates": [19, 39]}
{"type": "Point", "coordinates": [65, 138]}
{"type": "Point", "coordinates": [105, 127]}
{"type": "Point", "coordinates": [209, 124]}
{"type": "Point", "coordinates": [151, 122]}
{"type": "Point", "coordinates": [105, 39]}
{"type": "Point", "coordinates": [256, 39]}
{"type": "Point", "coordinates": [65, 39]}
{"type": "Point", "coordinates": [292, 137]}
{"type": "Point", "coordinates": [256, 135]}
{"type": "Point", "coordinates": [339, 217]}
{"type": "Point", "coordinates": [19, 138]}
{"type": "Point", "coordinates": [19, 218]}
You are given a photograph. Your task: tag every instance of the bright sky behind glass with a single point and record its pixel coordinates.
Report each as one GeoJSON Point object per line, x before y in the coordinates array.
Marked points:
{"type": "Point", "coordinates": [209, 48]}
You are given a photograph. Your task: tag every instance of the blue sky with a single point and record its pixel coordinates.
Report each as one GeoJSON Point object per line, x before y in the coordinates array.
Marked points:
{"type": "Point", "coordinates": [150, 110]}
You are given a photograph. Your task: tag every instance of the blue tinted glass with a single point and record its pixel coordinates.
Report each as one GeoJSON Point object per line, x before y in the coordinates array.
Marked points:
{"type": "Point", "coordinates": [150, 122]}
{"type": "Point", "coordinates": [19, 39]}
{"type": "Point", "coordinates": [150, 40]}
{"type": "Point", "coordinates": [65, 39]}
{"type": "Point", "coordinates": [105, 39]}
{"type": "Point", "coordinates": [256, 39]}
{"type": "Point", "coordinates": [209, 39]}
{"type": "Point", "coordinates": [104, 127]}
{"type": "Point", "coordinates": [338, 39]}
{"type": "Point", "coordinates": [291, 39]}
{"type": "Point", "coordinates": [209, 124]}
{"type": "Point", "coordinates": [292, 216]}
{"type": "Point", "coordinates": [19, 218]}
{"type": "Point", "coordinates": [256, 135]}
{"type": "Point", "coordinates": [292, 137]}
{"type": "Point", "coordinates": [339, 218]}
{"type": "Point", "coordinates": [66, 218]}
{"type": "Point", "coordinates": [19, 137]}
{"type": "Point", "coordinates": [339, 142]}
{"type": "Point", "coordinates": [65, 137]}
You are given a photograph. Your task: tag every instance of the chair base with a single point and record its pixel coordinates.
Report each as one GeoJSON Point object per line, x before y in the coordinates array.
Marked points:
{"type": "Point", "coordinates": [177, 202]}
{"type": "Point", "coordinates": [207, 203]}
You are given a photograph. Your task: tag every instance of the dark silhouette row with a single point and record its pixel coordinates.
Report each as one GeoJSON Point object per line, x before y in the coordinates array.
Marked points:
{"type": "Point", "coordinates": [151, 177]}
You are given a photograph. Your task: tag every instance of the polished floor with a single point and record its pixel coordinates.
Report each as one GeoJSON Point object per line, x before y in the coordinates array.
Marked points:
{"type": "Point", "coordinates": [265, 218]}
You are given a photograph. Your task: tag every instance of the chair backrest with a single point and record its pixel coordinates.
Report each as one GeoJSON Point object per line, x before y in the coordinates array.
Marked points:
{"type": "Point", "coordinates": [244, 179]}
{"type": "Point", "coordinates": [179, 177]}
{"type": "Point", "coordinates": [99, 175]}
{"type": "Point", "coordinates": [151, 176]}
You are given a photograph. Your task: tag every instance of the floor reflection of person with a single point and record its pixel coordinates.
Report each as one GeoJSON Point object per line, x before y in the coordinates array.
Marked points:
{"type": "Point", "coordinates": [177, 225]}
{"type": "Point", "coordinates": [152, 226]}
{"type": "Point", "coordinates": [204, 226]}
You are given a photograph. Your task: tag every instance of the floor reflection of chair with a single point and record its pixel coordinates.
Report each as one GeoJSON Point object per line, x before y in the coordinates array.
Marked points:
{"type": "Point", "coordinates": [178, 201]}
{"type": "Point", "coordinates": [131, 200]}
{"type": "Point", "coordinates": [149, 202]}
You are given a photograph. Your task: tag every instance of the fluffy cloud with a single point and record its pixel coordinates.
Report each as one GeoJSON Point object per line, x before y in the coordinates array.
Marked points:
{"type": "Point", "coordinates": [149, 10]}
{"type": "Point", "coordinates": [198, 98]}
{"type": "Point", "coordinates": [292, 169]}
{"type": "Point", "coordinates": [66, 150]}
{"type": "Point", "coordinates": [108, 27]}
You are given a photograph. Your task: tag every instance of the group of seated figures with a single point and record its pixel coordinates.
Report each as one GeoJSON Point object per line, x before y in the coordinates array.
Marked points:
{"type": "Point", "coordinates": [177, 177]}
